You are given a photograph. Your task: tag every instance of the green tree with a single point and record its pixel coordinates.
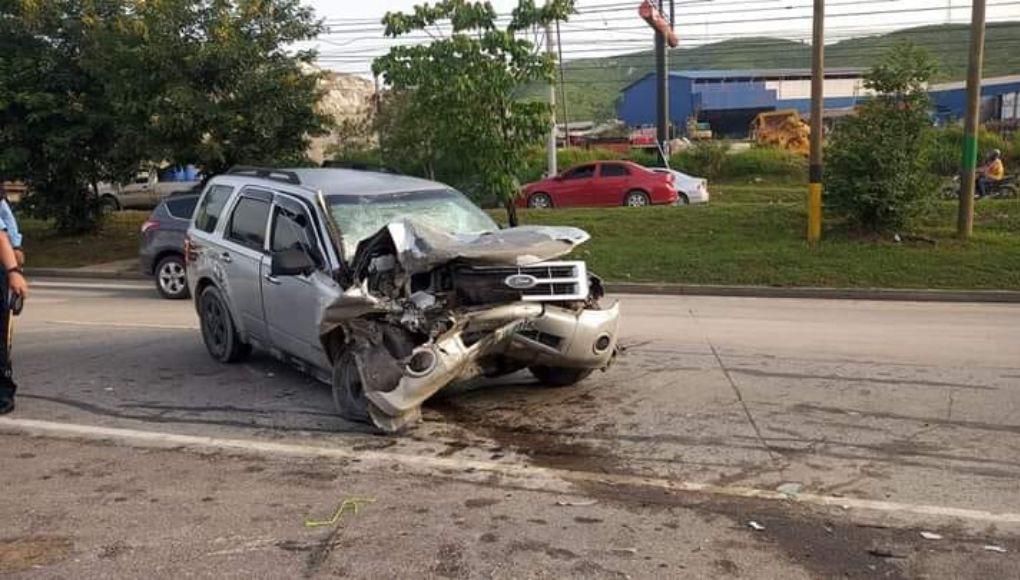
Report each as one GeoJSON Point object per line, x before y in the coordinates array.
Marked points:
{"type": "Point", "coordinates": [93, 88]}
{"type": "Point", "coordinates": [877, 173]}
{"type": "Point", "coordinates": [220, 83]}
{"type": "Point", "coordinates": [59, 128]}
{"type": "Point", "coordinates": [461, 87]}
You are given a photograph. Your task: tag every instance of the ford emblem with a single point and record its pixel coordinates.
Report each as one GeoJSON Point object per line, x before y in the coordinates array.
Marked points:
{"type": "Point", "coordinates": [521, 281]}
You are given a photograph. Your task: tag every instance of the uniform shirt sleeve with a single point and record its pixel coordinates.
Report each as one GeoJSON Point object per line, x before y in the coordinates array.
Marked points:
{"type": "Point", "coordinates": [9, 224]}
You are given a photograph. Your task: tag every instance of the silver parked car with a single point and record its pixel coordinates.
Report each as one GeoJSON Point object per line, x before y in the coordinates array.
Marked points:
{"type": "Point", "coordinates": [389, 288]}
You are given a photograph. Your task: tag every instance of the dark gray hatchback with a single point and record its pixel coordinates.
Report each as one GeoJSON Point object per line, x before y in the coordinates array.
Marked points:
{"type": "Point", "coordinates": [162, 249]}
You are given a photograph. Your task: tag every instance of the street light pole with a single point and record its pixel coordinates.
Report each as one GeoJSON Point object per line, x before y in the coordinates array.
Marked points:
{"type": "Point", "coordinates": [550, 49]}
{"type": "Point", "coordinates": [965, 219]}
{"type": "Point", "coordinates": [814, 233]}
{"type": "Point", "coordinates": [662, 93]}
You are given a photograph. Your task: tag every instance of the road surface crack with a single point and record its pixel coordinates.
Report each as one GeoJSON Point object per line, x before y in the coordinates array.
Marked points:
{"type": "Point", "coordinates": [773, 454]}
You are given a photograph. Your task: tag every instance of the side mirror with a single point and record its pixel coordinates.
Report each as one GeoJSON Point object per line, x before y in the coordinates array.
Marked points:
{"type": "Point", "coordinates": [291, 262]}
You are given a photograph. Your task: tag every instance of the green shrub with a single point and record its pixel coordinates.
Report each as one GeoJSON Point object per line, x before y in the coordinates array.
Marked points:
{"type": "Point", "coordinates": [944, 148]}
{"type": "Point", "coordinates": [706, 159]}
{"type": "Point", "coordinates": [877, 176]}
{"type": "Point", "coordinates": [645, 157]}
{"type": "Point", "coordinates": [765, 162]}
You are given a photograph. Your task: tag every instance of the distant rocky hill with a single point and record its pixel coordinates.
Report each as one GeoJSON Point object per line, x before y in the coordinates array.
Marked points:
{"type": "Point", "coordinates": [348, 100]}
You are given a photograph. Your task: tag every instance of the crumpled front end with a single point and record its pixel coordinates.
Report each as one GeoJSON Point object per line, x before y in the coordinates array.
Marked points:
{"type": "Point", "coordinates": [426, 309]}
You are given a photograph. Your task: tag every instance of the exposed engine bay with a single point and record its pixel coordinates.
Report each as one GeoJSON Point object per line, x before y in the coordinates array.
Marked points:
{"type": "Point", "coordinates": [424, 309]}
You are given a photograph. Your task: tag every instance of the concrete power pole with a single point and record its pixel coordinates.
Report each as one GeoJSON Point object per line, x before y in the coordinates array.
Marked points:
{"type": "Point", "coordinates": [662, 93]}
{"type": "Point", "coordinates": [814, 232]}
{"type": "Point", "coordinates": [965, 220]}
{"type": "Point", "coordinates": [550, 49]}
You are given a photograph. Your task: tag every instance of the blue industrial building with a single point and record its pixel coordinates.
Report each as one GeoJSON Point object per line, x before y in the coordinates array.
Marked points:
{"type": "Point", "coordinates": [730, 99]}
{"type": "Point", "coordinates": [1000, 100]}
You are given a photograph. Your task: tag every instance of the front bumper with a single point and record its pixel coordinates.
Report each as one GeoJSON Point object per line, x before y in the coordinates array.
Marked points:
{"type": "Point", "coordinates": [529, 333]}
{"type": "Point", "coordinates": [567, 338]}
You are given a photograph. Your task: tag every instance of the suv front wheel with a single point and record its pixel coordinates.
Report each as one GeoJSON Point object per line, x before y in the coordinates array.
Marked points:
{"type": "Point", "coordinates": [218, 330]}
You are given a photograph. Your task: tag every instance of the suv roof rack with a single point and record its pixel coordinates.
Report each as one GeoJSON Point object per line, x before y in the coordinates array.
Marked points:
{"type": "Point", "coordinates": [274, 174]}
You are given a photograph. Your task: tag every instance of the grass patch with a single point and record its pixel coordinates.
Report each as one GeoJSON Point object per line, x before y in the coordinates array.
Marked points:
{"type": "Point", "coordinates": [740, 192]}
{"type": "Point", "coordinates": [117, 240]}
{"type": "Point", "coordinates": [759, 244]}
{"type": "Point", "coordinates": [737, 241]}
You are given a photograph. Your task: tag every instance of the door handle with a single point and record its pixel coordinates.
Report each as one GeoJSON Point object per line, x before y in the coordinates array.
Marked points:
{"type": "Point", "coordinates": [226, 257]}
{"type": "Point", "coordinates": [272, 279]}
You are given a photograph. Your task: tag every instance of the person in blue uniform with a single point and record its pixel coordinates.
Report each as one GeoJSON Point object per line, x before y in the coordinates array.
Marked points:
{"type": "Point", "coordinates": [13, 291]}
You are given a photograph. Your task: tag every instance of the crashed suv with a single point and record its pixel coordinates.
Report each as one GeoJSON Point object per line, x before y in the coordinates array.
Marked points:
{"type": "Point", "coordinates": [388, 288]}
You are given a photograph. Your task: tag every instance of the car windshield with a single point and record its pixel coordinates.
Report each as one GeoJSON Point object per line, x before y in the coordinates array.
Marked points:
{"type": "Point", "coordinates": [360, 216]}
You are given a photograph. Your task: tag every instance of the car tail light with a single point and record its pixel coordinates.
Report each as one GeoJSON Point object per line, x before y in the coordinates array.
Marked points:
{"type": "Point", "coordinates": [150, 225]}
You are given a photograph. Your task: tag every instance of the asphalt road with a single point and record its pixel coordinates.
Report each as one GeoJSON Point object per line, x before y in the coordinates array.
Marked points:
{"type": "Point", "coordinates": [844, 428]}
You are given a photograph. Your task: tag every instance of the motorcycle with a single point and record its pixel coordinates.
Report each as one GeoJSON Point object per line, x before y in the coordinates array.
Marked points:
{"type": "Point", "coordinates": [1006, 188]}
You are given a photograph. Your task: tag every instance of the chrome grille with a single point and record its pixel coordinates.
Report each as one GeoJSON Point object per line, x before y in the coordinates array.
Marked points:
{"type": "Point", "coordinates": [553, 280]}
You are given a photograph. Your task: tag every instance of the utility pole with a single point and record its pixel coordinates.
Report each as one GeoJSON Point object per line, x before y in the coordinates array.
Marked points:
{"type": "Point", "coordinates": [563, 84]}
{"type": "Point", "coordinates": [815, 169]}
{"type": "Point", "coordinates": [550, 49]}
{"type": "Point", "coordinates": [965, 221]}
{"type": "Point", "coordinates": [662, 92]}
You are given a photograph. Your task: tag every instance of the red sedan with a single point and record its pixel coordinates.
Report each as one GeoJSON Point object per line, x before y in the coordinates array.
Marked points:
{"type": "Point", "coordinates": [602, 183]}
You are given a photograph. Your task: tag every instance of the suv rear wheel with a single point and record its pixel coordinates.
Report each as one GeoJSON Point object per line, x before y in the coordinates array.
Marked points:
{"type": "Point", "coordinates": [218, 330]}
{"type": "Point", "coordinates": [559, 376]}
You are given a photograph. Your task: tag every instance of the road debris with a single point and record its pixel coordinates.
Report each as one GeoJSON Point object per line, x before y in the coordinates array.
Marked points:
{"type": "Point", "coordinates": [755, 526]}
{"type": "Point", "coordinates": [996, 549]}
{"type": "Point", "coordinates": [790, 489]}
{"type": "Point", "coordinates": [931, 536]}
{"type": "Point", "coordinates": [588, 503]}
{"type": "Point", "coordinates": [883, 553]}
{"type": "Point", "coordinates": [353, 505]}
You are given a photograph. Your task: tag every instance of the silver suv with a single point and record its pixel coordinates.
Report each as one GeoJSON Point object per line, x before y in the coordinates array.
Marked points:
{"type": "Point", "coordinates": [388, 288]}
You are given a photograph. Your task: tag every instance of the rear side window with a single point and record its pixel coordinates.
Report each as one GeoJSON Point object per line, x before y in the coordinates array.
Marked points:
{"type": "Point", "coordinates": [583, 172]}
{"type": "Point", "coordinates": [248, 224]}
{"type": "Point", "coordinates": [614, 170]}
{"type": "Point", "coordinates": [208, 213]}
{"type": "Point", "coordinates": [182, 208]}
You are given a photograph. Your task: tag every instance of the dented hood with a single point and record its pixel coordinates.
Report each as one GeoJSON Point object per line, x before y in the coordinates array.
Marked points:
{"type": "Point", "coordinates": [422, 247]}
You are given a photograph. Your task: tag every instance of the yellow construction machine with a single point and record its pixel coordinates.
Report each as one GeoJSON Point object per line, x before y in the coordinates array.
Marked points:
{"type": "Point", "coordinates": [783, 129]}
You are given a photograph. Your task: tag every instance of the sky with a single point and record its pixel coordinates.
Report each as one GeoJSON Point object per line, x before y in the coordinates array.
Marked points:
{"type": "Point", "coordinates": [607, 27]}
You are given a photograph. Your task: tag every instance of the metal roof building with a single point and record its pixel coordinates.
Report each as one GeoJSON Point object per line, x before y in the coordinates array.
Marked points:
{"type": "Point", "coordinates": [730, 99]}
{"type": "Point", "coordinates": [1000, 99]}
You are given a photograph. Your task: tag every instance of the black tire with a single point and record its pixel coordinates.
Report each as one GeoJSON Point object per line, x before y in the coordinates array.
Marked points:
{"type": "Point", "coordinates": [348, 393]}
{"type": "Point", "coordinates": [218, 330]}
{"type": "Point", "coordinates": [682, 199]}
{"type": "Point", "coordinates": [560, 376]}
{"type": "Point", "coordinates": [636, 199]}
{"type": "Point", "coordinates": [171, 278]}
{"type": "Point", "coordinates": [108, 204]}
{"type": "Point", "coordinates": [540, 201]}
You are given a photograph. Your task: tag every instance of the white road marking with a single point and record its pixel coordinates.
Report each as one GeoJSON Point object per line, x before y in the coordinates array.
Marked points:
{"type": "Point", "coordinates": [505, 471]}
{"type": "Point", "coordinates": [122, 324]}
{"type": "Point", "coordinates": [88, 286]}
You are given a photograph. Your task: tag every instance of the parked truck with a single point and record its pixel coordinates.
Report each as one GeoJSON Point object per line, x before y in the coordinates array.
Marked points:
{"type": "Point", "coordinates": [147, 189]}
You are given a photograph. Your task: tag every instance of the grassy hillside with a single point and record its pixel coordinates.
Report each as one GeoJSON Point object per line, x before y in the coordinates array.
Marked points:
{"type": "Point", "coordinates": [593, 85]}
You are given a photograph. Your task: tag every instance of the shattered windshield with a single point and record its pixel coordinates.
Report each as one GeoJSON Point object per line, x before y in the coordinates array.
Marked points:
{"type": "Point", "coordinates": [361, 216]}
